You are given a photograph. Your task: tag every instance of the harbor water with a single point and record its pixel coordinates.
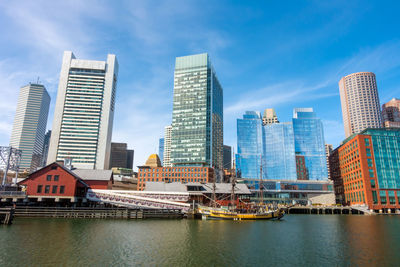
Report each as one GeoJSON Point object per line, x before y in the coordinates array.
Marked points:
{"type": "Point", "coordinates": [297, 240]}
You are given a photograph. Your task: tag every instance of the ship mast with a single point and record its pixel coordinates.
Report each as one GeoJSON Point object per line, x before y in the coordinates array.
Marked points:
{"type": "Point", "coordinates": [260, 183]}
{"type": "Point", "coordinates": [233, 181]}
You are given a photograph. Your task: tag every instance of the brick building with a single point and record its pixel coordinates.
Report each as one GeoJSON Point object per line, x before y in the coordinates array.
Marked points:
{"type": "Point", "coordinates": [173, 174]}
{"type": "Point", "coordinates": [366, 170]}
{"type": "Point", "coordinates": [55, 182]}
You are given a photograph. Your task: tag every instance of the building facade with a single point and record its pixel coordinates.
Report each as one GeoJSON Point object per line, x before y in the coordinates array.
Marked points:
{"type": "Point", "coordinates": [84, 112]}
{"type": "Point", "coordinates": [328, 152]}
{"type": "Point", "coordinates": [167, 147]}
{"type": "Point", "coordinates": [360, 102]}
{"type": "Point", "coordinates": [366, 169]}
{"type": "Point", "coordinates": [269, 116]}
{"type": "Point", "coordinates": [309, 142]}
{"type": "Point", "coordinates": [278, 151]}
{"type": "Point", "coordinates": [45, 151]}
{"type": "Point", "coordinates": [227, 157]}
{"type": "Point", "coordinates": [249, 145]}
{"type": "Point", "coordinates": [391, 113]}
{"type": "Point", "coordinates": [152, 171]}
{"type": "Point", "coordinates": [28, 132]}
{"type": "Point", "coordinates": [121, 156]}
{"type": "Point", "coordinates": [197, 118]}
{"type": "Point", "coordinates": [161, 149]}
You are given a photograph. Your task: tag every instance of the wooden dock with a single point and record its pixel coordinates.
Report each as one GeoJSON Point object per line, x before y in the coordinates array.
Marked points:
{"type": "Point", "coordinates": [96, 213]}
{"type": "Point", "coordinates": [6, 215]}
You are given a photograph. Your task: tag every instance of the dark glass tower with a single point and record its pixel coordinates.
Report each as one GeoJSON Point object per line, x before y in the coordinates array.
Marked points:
{"type": "Point", "coordinates": [197, 118]}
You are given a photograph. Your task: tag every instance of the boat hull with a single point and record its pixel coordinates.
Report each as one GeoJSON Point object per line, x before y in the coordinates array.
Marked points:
{"type": "Point", "coordinates": [227, 215]}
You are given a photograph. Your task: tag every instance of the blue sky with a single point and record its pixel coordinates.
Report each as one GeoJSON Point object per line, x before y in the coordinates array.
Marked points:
{"type": "Point", "coordinates": [266, 54]}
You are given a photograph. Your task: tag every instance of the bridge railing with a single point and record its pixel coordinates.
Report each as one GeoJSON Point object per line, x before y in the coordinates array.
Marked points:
{"type": "Point", "coordinates": [12, 194]}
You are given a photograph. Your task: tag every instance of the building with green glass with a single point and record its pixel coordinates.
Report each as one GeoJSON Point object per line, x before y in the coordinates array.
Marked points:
{"type": "Point", "coordinates": [197, 118]}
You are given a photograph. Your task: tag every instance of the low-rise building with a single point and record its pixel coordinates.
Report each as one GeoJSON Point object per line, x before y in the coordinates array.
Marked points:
{"type": "Point", "coordinates": [56, 182]}
{"type": "Point", "coordinates": [366, 170]}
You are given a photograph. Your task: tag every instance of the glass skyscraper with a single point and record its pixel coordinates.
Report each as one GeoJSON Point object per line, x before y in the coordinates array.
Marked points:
{"type": "Point", "coordinates": [249, 145]}
{"type": "Point", "coordinates": [310, 143]}
{"type": "Point", "coordinates": [197, 118]}
{"type": "Point", "coordinates": [279, 157]}
{"type": "Point", "coordinates": [161, 149]}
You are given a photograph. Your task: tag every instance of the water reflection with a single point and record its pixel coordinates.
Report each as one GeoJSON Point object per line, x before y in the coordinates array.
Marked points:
{"type": "Point", "coordinates": [300, 240]}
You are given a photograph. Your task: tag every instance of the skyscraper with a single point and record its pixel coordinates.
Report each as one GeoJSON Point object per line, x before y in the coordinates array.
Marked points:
{"type": "Point", "coordinates": [46, 144]}
{"type": "Point", "coordinates": [249, 145]}
{"type": "Point", "coordinates": [197, 118]}
{"type": "Point", "coordinates": [84, 112]}
{"type": "Point", "coordinates": [278, 150]}
{"type": "Point", "coordinates": [391, 113]}
{"type": "Point", "coordinates": [161, 149]}
{"type": "Point", "coordinates": [269, 116]}
{"type": "Point", "coordinates": [121, 156]}
{"type": "Point", "coordinates": [167, 146]}
{"type": "Point", "coordinates": [360, 102]}
{"type": "Point", "coordinates": [227, 157]}
{"type": "Point", "coordinates": [30, 124]}
{"type": "Point", "coordinates": [309, 142]}
{"type": "Point", "coordinates": [328, 152]}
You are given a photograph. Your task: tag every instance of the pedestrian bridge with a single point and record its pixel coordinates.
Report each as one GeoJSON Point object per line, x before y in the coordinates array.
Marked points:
{"type": "Point", "coordinates": [141, 199]}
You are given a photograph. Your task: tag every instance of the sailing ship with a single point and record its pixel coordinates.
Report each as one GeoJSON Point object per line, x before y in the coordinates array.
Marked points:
{"type": "Point", "coordinates": [256, 211]}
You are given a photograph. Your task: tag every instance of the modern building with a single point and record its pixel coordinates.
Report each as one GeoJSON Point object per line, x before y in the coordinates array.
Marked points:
{"type": "Point", "coordinates": [29, 126]}
{"type": "Point", "coordinates": [46, 144]}
{"type": "Point", "coordinates": [278, 151]}
{"type": "Point", "coordinates": [153, 172]}
{"type": "Point", "coordinates": [269, 116]}
{"type": "Point", "coordinates": [227, 157]}
{"type": "Point", "coordinates": [84, 112]}
{"type": "Point", "coordinates": [249, 145]}
{"type": "Point", "coordinates": [121, 156]}
{"type": "Point", "coordinates": [391, 113]}
{"type": "Point", "coordinates": [366, 170]}
{"type": "Point", "coordinates": [309, 142]}
{"type": "Point", "coordinates": [167, 147]}
{"type": "Point", "coordinates": [197, 118]}
{"type": "Point", "coordinates": [161, 149]}
{"type": "Point", "coordinates": [328, 152]}
{"type": "Point", "coordinates": [360, 102]}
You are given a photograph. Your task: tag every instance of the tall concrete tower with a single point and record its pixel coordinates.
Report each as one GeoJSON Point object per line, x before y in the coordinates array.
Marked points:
{"type": "Point", "coordinates": [30, 124]}
{"type": "Point", "coordinates": [197, 118]}
{"type": "Point", "coordinates": [360, 102]}
{"type": "Point", "coordinates": [84, 113]}
{"type": "Point", "coordinates": [167, 146]}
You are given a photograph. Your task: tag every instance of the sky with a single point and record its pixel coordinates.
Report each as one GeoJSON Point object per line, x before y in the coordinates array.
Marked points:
{"type": "Point", "coordinates": [267, 54]}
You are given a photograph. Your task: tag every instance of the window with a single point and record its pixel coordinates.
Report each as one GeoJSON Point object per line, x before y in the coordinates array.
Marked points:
{"type": "Point", "coordinates": [368, 152]}
{"type": "Point", "coordinates": [62, 189]}
{"type": "Point", "coordinates": [48, 178]}
{"type": "Point", "coordinates": [371, 173]}
{"type": "Point", "coordinates": [39, 189]}
{"type": "Point", "coordinates": [374, 197]}
{"type": "Point", "coordinates": [54, 191]}
{"type": "Point", "coordinates": [392, 199]}
{"type": "Point", "coordinates": [369, 162]}
{"type": "Point", "coordinates": [56, 177]}
{"type": "Point", "coordinates": [383, 197]}
{"type": "Point", "coordinates": [372, 183]}
{"type": "Point", "coordinates": [47, 189]}
{"type": "Point", "coordinates": [54, 167]}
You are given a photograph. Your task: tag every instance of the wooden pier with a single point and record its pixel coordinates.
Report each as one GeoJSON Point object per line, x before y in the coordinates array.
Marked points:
{"type": "Point", "coordinates": [6, 215]}
{"type": "Point", "coordinates": [96, 213]}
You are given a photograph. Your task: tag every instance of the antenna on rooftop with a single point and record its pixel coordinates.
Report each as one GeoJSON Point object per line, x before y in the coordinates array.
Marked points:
{"type": "Point", "coordinates": [38, 79]}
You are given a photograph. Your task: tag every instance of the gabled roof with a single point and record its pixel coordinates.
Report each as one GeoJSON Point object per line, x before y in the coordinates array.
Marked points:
{"type": "Point", "coordinates": [99, 175]}
{"type": "Point", "coordinates": [60, 166]}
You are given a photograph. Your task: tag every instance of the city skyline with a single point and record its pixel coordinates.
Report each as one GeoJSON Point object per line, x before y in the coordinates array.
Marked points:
{"type": "Point", "coordinates": [281, 72]}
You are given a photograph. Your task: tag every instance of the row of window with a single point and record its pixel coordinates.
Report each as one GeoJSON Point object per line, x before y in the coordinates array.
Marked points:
{"type": "Point", "coordinates": [53, 191]}
{"type": "Point", "coordinates": [56, 178]}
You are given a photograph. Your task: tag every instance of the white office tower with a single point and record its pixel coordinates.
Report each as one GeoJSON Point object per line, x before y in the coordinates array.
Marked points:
{"type": "Point", "coordinates": [84, 112]}
{"type": "Point", "coordinates": [30, 125]}
{"type": "Point", "coordinates": [167, 146]}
